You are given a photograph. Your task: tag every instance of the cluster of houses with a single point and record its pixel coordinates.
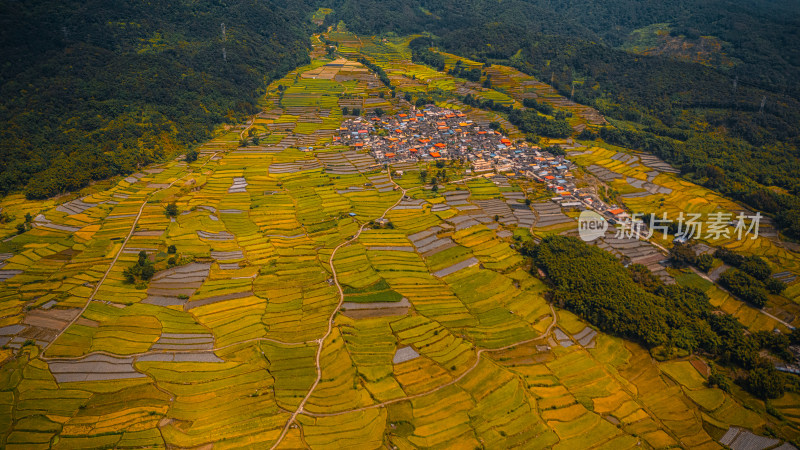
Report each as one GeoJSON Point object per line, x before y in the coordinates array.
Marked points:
{"type": "Point", "coordinates": [422, 135]}
{"type": "Point", "coordinates": [434, 133]}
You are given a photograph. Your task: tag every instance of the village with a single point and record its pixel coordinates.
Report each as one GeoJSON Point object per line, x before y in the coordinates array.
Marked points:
{"type": "Point", "coordinates": [434, 133]}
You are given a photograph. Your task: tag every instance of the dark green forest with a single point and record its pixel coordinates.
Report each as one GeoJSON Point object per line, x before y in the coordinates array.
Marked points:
{"type": "Point", "coordinates": [670, 320]}
{"type": "Point", "coordinates": [92, 89]}
{"type": "Point", "coordinates": [707, 121]}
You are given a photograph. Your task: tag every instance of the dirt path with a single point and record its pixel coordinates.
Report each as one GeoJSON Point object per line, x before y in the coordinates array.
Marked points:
{"type": "Point", "coordinates": [249, 125]}
{"type": "Point", "coordinates": [321, 340]}
{"type": "Point", "coordinates": [707, 278]}
{"type": "Point", "coordinates": [451, 382]}
{"type": "Point", "coordinates": [116, 257]}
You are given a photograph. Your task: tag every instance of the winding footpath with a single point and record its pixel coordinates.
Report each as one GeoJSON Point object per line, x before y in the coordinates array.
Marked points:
{"type": "Point", "coordinates": [451, 382]}
{"type": "Point", "coordinates": [300, 407]}
{"type": "Point", "coordinates": [321, 340]}
{"type": "Point", "coordinates": [116, 257]}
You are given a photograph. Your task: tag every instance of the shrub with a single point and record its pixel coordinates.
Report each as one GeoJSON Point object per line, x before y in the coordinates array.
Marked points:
{"type": "Point", "coordinates": [191, 156]}
{"type": "Point", "coordinates": [171, 210]}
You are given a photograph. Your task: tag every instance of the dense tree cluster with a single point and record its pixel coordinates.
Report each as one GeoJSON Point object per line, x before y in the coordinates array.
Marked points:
{"type": "Point", "coordinates": [531, 121]}
{"type": "Point", "coordinates": [94, 89]}
{"type": "Point", "coordinates": [461, 71]}
{"type": "Point", "coordinates": [544, 108]}
{"type": "Point", "coordinates": [377, 69]}
{"type": "Point", "coordinates": [486, 103]}
{"type": "Point", "coordinates": [751, 280]}
{"type": "Point", "coordinates": [143, 270]}
{"type": "Point", "coordinates": [422, 54]}
{"type": "Point", "coordinates": [744, 286]}
{"type": "Point", "coordinates": [634, 304]}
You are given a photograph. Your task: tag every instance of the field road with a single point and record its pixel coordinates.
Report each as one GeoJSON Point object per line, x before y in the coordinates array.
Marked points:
{"type": "Point", "coordinates": [333, 314]}
{"type": "Point", "coordinates": [116, 257]}
{"type": "Point", "coordinates": [705, 277]}
{"type": "Point", "coordinates": [451, 382]}
{"type": "Point", "coordinates": [480, 352]}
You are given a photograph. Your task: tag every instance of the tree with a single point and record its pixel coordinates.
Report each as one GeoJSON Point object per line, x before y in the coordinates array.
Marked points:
{"type": "Point", "coordinates": [191, 156]}
{"type": "Point", "coordinates": [142, 258]}
{"type": "Point", "coordinates": [682, 255]}
{"type": "Point", "coordinates": [148, 271]}
{"type": "Point", "coordinates": [379, 112]}
{"type": "Point", "coordinates": [756, 267]}
{"type": "Point", "coordinates": [345, 110]}
{"type": "Point", "coordinates": [143, 269]}
{"type": "Point", "coordinates": [172, 249]}
{"type": "Point", "coordinates": [642, 276]}
{"type": "Point", "coordinates": [171, 210]}
{"type": "Point", "coordinates": [775, 286]}
{"type": "Point", "coordinates": [718, 379]}
{"type": "Point", "coordinates": [705, 262]}
{"type": "Point", "coordinates": [587, 135]}
{"type": "Point", "coordinates": [423, 176]}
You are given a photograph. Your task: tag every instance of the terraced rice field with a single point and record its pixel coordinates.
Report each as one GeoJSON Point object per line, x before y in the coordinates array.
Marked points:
{"type": "Point", "coordinates": [288, 320]}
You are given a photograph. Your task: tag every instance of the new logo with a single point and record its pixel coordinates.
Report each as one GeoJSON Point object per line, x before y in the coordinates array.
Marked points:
{"type": "Point", "coordinates": [591, 225]}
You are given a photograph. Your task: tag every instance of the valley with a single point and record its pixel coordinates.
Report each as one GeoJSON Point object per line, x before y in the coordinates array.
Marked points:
{"type": "Point", "coordinates": [311, 292]}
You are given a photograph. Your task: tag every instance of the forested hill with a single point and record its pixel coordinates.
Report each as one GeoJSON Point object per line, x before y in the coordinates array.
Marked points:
{"type": "Point", "coordinates": [90, 89]}
{"type": "Point", "coordinates": [762, 34]}
{"type": "Point", "coordinates": [731, 128]}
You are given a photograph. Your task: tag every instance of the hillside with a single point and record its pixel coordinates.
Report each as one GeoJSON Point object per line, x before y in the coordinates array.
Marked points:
{"type": "Point", "coordinates": [699, 118]}
{"type": "Point", "coordinates": [399, 224]}
{"type": "Point", "coordinates": [92, 89]}
{"type": "Point", "coordinates": [289, 290]}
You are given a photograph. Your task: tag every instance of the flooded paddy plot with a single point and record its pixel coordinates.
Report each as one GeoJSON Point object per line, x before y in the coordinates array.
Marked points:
{"type": "Point", "coordinates": [169, 287]}
{"type": "Point", "coordinates": [95, 367]}
{"type": "Point", "coordinates": [356, 310]}
{"type": "Point", "coordinates": [549, 214]}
